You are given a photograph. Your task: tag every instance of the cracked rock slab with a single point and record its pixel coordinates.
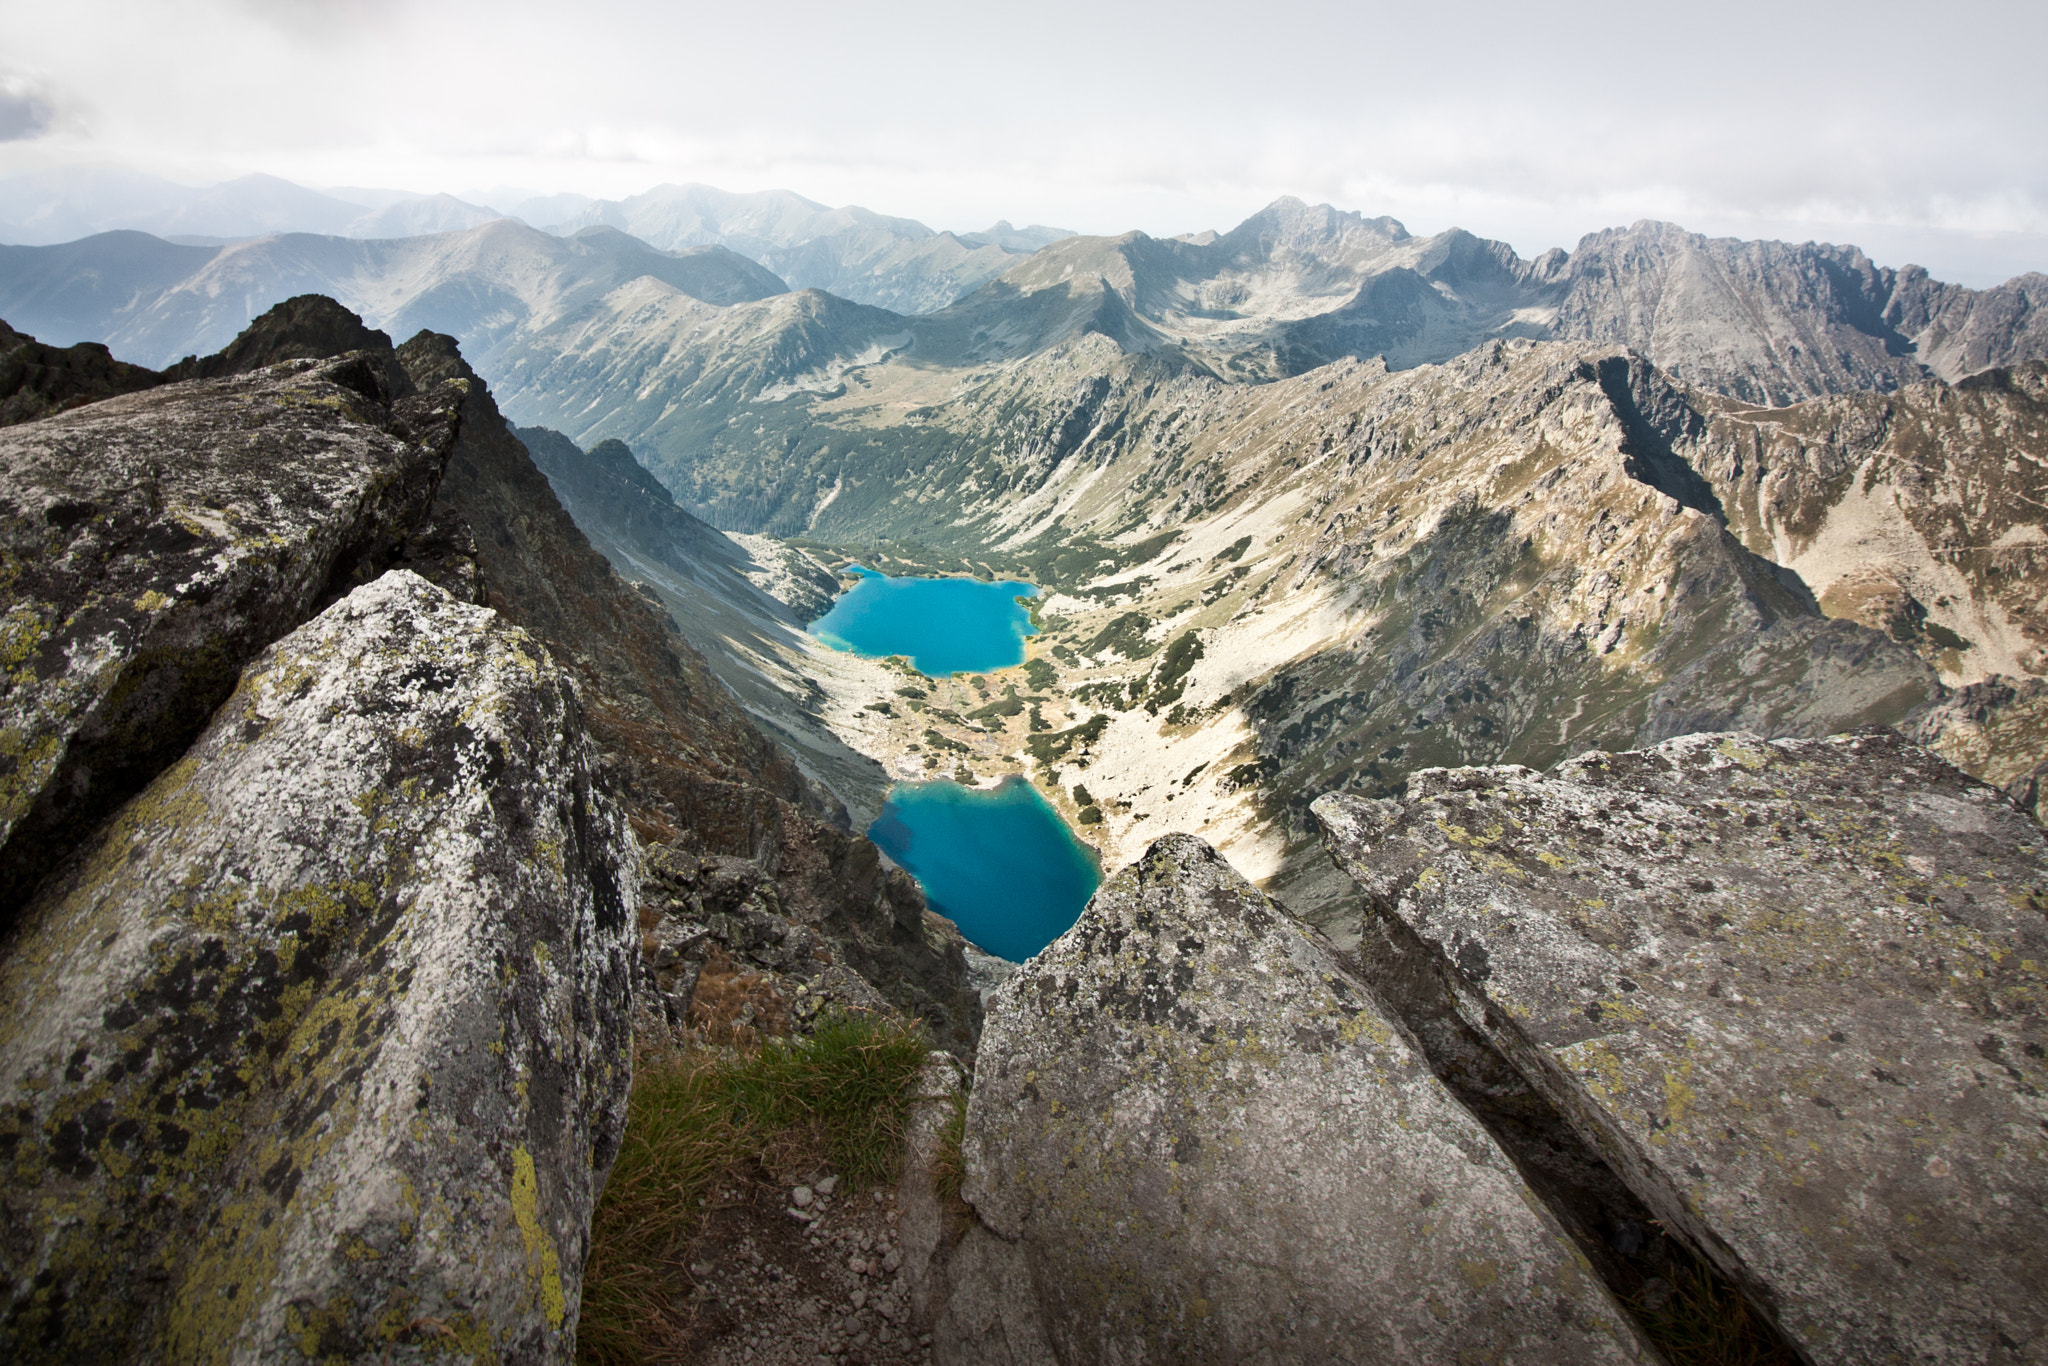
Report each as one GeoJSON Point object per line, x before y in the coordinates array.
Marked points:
{"type": "Point", "coordinates": [1790, 990]}
{"type": "Point", "coordinates": [319, 1048]}
{"type": "Point", "coordinates": [1194, 1137]}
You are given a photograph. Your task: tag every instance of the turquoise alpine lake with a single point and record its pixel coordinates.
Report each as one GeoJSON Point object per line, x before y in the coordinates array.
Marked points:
{"type": "Point", "coordinates": [998, 862]}
{"type": "Point", "coordinates": [944, 625]}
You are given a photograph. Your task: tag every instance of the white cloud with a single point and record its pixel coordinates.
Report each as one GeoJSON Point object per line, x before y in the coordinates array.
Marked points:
{"type": "Point", "coordinates": [1535, 125]}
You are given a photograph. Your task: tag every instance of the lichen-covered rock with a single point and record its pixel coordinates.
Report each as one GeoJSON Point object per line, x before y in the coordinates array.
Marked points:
{"type": "Point", "coordinates": [151, 544]}
{"type": "Point", "coordinates": [1194, 1137]}
{"type": "Point", "coordinates": [1790, 991]}
{"type": "Point", "coordinates": [319, 1049]}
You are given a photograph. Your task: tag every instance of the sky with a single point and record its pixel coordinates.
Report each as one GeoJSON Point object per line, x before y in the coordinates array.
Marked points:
{"type": "Point", "coordinates": [1915, 131]}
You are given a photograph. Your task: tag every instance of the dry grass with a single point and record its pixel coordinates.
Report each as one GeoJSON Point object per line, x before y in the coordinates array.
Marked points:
{"type": "Point", "coordinates": [1706, 1323]}
{"type": "Point", "coordinates": [735, 1007]}
{"type": "Point", "coordinates": [703, 1117]}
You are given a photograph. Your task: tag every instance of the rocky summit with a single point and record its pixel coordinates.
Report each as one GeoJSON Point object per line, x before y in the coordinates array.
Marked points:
{"type": "Point", "coordinates": [351, 791]}
{"type": "Point", "coordinates": [1565, 740]}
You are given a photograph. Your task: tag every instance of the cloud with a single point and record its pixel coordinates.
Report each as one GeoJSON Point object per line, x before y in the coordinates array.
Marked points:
{"type": "Point", "coordinates": [1752, 117]}
{"type": "Point", "coordinates": [25, 111]}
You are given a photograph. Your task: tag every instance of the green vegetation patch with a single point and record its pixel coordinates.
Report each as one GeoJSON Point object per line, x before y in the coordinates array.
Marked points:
{"type": "Point", "coordinates": [1126, 636]}
{"type": "Point", "coordinates": [1050, 749]}
{"type": "Point", "coordinates": [1039, 674]}
{"type": "Point", "coordinates": [706, 1117]}
{"type": "Point", "coordinates": [1009, 704]}
{"type": "Point", "coordinates": [940, 741]}
{"type": "Point", "coordinates": [1234, 553]}
{"type": "Point", "coordinates": [1171, 680]}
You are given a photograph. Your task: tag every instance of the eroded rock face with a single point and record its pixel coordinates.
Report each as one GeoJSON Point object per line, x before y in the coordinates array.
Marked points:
{"type": "Point", "coordinates": [1194, 1137]}
{"type": "Point", "coordinates": [151, 544]}
{"type": "Point", "coordinates": [1791, 993]}
{"type": "Point", "coordinates": [319, 1049]}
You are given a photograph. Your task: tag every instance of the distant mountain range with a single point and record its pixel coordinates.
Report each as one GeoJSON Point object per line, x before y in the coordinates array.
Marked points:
{"type": "Point", "coordinates": [872, 258]}
{"type": "Point", "coordinates": [1316, 501]}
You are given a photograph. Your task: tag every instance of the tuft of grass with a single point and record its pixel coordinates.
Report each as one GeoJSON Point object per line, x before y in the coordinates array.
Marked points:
{"type": "Point", "coordinates": [949, 1169]}
{"type": "Point", "coordinates": [1705, 1322]}
{"type": "Point", "coordinates": [698, 1119]}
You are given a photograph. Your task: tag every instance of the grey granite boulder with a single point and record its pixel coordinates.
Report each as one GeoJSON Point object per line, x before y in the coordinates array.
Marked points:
{"type": "Point", "coordinates": [150, 544]}
{"type": "Point", "coordinates": [1790, 991]}
{"type": "Point", "coordinates": [319, 1048]}
{"type": "Point", "coordinates": [1194, 1138]}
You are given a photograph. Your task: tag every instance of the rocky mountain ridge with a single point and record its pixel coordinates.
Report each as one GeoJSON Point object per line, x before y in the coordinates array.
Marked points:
{"type": "Point", "coordinates": [766, 402]}
{"type": "Point", "coordinates": [321, 1050]}
{"type": "Point", "coordinates": [1263, 593]}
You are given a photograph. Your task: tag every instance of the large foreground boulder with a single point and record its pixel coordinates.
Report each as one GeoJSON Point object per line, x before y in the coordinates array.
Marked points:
{"type": "Point", "coordinates": [318, 1050]}
{"type": "Point", "coordinates": [1194, 1138]}
{"type": "Point", "coordinates": [150, 544]}
{"type": "Point", "coordinates": [1791, 992]}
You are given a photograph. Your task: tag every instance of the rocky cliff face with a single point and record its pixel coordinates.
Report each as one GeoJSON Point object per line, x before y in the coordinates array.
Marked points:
{"type": "Point", "coordinates": [697, 770]}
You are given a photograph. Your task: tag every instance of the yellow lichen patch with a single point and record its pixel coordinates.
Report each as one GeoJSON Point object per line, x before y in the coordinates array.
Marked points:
{"type": "Point", "coordinates": [1748, 756]}
{"type": "Point", "coordinates": [22, 632]}
{"type": "Point", "coordinates": [1479, 1274]}
{"type": "Point", "coordinates": [152, 601]}
{"type": "Point", "coordinates": [542, 1258]}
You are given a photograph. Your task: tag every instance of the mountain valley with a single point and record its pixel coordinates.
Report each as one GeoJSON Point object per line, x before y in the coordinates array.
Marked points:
{"type": "Point", "coordinates": [1490, 659]}
{"type": "Point", "coordinates": [1315, 503]}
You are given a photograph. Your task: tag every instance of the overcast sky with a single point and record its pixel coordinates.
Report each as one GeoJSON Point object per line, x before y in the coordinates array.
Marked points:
{"type": "Point", "coordinates": [1914, 130]}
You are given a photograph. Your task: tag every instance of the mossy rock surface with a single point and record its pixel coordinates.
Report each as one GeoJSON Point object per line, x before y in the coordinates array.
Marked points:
{"type": "Point", "coordinates": [319, 1049]}
{"type": "Point", "coordinates": [1792, 990]}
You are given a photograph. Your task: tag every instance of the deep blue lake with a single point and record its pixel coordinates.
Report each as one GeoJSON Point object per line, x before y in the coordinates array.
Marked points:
{"type": "Point", "coordinates": [944, 625]}
{"type": "Point", "coordinates": [998, 863]}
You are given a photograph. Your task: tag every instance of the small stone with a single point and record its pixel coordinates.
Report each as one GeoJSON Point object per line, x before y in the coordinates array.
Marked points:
{"type": "Point", "coordinates": [801, 1197]}
{"type": "Point", "coordinates": [859, 1299]}
{"type": "Point", "coordinates": [892, 1261]}
{"type": "Point", "coordinates": [827, 1184]}
{"type": "Point", "coordinates": [857, 1266]}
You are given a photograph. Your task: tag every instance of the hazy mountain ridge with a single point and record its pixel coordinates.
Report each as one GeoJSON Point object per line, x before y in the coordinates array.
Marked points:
{"type": "Point", "coordinates": [867, 257]}
{"type": "Point", "coordinates": [61, 206]}
{"type": "Point", "coordinates": [485, 284]}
